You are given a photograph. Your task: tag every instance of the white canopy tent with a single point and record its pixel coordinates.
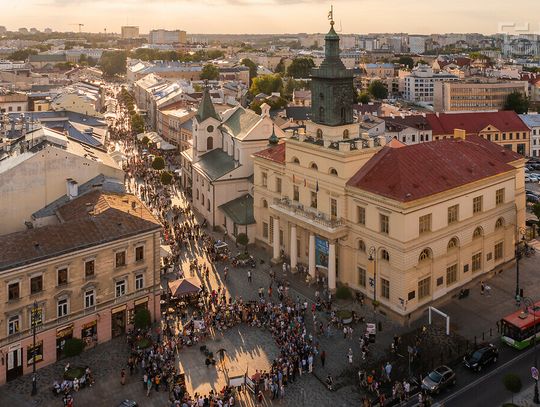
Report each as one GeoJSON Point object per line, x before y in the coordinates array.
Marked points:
{"type": "Point", "coordinates": [157, 139]}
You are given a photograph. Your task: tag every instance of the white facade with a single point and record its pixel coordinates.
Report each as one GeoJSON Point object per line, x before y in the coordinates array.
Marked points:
{"type": "Point", "coordinates": [419, 84]}
{"type": "Point", "coordinates": [533, 122]}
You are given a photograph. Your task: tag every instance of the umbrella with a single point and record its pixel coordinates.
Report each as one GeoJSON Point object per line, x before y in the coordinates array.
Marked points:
{"type": "Point", "coordinates": [183, 287]}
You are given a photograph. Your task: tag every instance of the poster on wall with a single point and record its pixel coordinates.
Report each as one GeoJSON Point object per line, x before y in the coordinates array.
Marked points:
{"type": "Point", "coordinates": [321, 252]}
{"type": "Point", "coordinates": [36, 352]}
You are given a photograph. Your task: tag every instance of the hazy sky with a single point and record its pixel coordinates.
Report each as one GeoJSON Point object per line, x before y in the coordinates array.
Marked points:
{"type": "Point", "coordinates": [272, 16]}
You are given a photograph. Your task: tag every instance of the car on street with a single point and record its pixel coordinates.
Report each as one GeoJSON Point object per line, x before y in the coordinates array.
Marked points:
{"type": "Point", "coordinates": [533, 177]}
{"type": "Point", "coordinates": [532, 198]}
{"type": "Point", "coordinates": [481, 357]}
{"type": "Point", "coordinates": [527, 179]}
{"type": "Point", "coordinates": [128, 403]}
{"type": "Point", "coordinates": [439, 379]}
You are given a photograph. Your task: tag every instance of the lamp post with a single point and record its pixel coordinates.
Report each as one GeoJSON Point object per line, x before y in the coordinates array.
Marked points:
{"type": "Point", "coordinates": [34, 378]}
{"type": "Point", "coordinates": [372, 257]}
{"type": "Point", "coordinates": [528, 304]}
{"type": "Point", "coordinates": [520, 250]}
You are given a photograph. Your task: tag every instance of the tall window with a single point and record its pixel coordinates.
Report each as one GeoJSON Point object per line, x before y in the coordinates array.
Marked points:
{"type": "Point", "coordinates": [384, 222]}
{"type": "Point", "coordinates": [385, 288]}
{"type": "Point", "coordinates": [333, 208]}
{"type": "Point", "coordinates": [477, 204]}
{"type": "Point", "coordinates": [362, 246]}
{"type": "Point", "coordinates": [62, 275]}
{"type": "Point", "coordinates": [89, 298]}
{"type": "Point", "coordinates": [264, 179]}
{"type": "Point", "coordinates": [314, 199]}
{"type": "Point", "coordinates": [476, 262]}
{"type": "Point", "coordinates": [36, 284]}
{"type": "Point", "coordinates": [120, 288]}
{"type": "Point", "coordinates": [499, 196]}
{"type": "Point", "coordinates": [453, 212]}
{"type": "Point", "coordinates": [139, 253]}
{"type": "Point", "coordinates": [361, 215]}
{"type": "Point", "coordinates": [361, 276]}
{"type": "Point", "coordinates": [265, 230]}
{"type": "Point", "coordinates": [13, 291]}
{"type": "Point", "coordinates": [451, 274]}
{"type": "Point", "coordinates": [13, 324]}
{"type": "Point", "coordinates": [424, 288]}
{"type": "Point", "coordinates": [498, 251]}
{"type": "Point", "coordinates": [296, 193]}
{"type": "Point", "coordinates": [120, 258]}
{"type": "Point", "coordinates": [62, 307]}
{"type": "Point", "coordinates": [89, 268]}
{"type": "Point", "coordinates": [139, 281]}
{"type": "Point", "coordinates": [278, 184]}
{"type": "Point", "coordinates": [424, 224]}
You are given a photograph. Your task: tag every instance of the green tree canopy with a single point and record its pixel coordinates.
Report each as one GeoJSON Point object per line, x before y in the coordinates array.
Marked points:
{"type": "Point", "coordinates": [378, 90]}
{"type": "Point", "coordinates": [142, 319]}
{"type": "Point", "coordinates": [166, 178]}
{"type": "Point", "coordinates": [22, 54]}
{"type": "Point", "coordinates": [274, 104]}
{"type": "Point", "coordinates": [242, 239]}
{"type": "Point", "coordinates": [280, 68]}
{"type": "Point", "coordinates": [210, 72]}
{"type": "Point", "coordinates": [292, 84]}
{"type": "Point", "coordinates": [406, 61]}
{"type": "Point", "coordinates": [365, 97]}
{"type": "Point", "coordinates": [300, 67]}
{"type": "Point", "coordinates": [113, 62]}
{"type": "Point", "coordinates": [252, 68]}
{"type": "Point", "coordinates": [517, 102]}
{"type": "Point", "coordinates": [137, 123]}
{"type": "Point", "coordinates": [512, 383]}
{"type": "Point", "coordinates": [266, 84]}
{"type": "Point", "coordinates": [158, 163]}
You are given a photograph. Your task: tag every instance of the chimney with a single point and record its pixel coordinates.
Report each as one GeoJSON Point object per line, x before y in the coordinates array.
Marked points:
{"type": "Point", "coordinates": [265, 110]}
{"type": "Point", "coordinates": [72, 188]}
{"type": "Point", "coordinates": [460, 134]}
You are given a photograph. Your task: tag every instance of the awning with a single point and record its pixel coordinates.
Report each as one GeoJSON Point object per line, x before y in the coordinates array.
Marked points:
{"type": "Point", "coordinates": [165, 250]}
{"type": "Point", "coordinates": [183, 287]}
{"type": "Point", "coordinates": [156, 139]}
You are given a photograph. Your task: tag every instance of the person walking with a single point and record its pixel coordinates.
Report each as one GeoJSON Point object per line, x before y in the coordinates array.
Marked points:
{"type": "Point", "coordinates": [249, 276]}
{"type": "Point", "coordinates": [482, 287]}
{"type": "Point", "coordinates": [323, 357]}
{"type": "Point", "coordinates": [123, 377]}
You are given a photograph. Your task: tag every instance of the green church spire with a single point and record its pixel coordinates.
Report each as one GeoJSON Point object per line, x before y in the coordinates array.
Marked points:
{"type": "Point", "coordinates": [206, 107]}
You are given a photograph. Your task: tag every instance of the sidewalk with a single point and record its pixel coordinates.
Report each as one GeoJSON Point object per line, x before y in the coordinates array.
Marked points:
{"type": "Point", "coordinates": [524, 398]}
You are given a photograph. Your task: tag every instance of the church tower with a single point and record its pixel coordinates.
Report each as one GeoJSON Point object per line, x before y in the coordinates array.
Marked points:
{"type": "Point", "coordinates": [205, 127]}
{"type": "Point", "coordinates": [332, 86]}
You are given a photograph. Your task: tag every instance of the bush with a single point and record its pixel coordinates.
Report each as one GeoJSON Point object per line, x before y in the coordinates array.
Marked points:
{"type": "Point", "coordinates": [242, 239]}
{"type": "Point", "coordinates": [73, 347]}
{"type": "Point", "coordinates": [343, 293]}
{"type": "Point", "coordinates": [158, 163]}
{"type": "Point", "coordinates": [166, 178]}
{"type": "Point", "coordinates": [512, 382]}
{"type": "Point", "coordinates": [74, 373]}
{"type": "Point", "coordinates": [142, 319]}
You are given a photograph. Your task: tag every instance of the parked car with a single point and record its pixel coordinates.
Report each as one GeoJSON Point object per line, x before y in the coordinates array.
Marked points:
{"type": "Point", "coordinates": [128, 403]}
{"type": "Point", "coordinates": [439, 379]}
{"type": "Point", "coordinates": [481, 357]}
{"type": "Point", "coordinates": [532, 198]}
{"type": "Point", "coordinates": [533, 177]}
{"type": "Point", "coordinates": [527, 179]}
{"type": "Point", "coordinates": [531, 192]}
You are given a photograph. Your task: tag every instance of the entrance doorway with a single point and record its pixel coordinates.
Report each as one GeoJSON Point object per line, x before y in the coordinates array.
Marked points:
{"type": "Point", "coordinates": [118, 323]}
{"type": "Point", "coordinates": [62, 335]}
{"type": "Point", "coordinates": [14, 367]}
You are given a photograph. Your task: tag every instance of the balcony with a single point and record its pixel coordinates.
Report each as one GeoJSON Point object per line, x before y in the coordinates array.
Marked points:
{"type": "Point", "coordinates": [309, 217]}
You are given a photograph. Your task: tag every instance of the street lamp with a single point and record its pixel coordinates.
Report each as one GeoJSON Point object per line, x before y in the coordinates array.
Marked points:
{"type": "Point", "coordinates": [521, 246]}
{"type": "Point", "coordinates": [34, 377]}
{"type": "Point", "coordinates": [372, 257]}
{"type": "Point", "coordinates": [529, 304]}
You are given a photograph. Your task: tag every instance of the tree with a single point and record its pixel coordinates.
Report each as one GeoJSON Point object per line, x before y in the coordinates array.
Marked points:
{"type": "Point", "coordinates": [215, 54]}
{"type": "Point", "coordinates": [166, 178]}
{"type": "Point", "coordinates": [252, 68]}
{"type": "Point", "coordinates": [378, 90]}
{"type": "Point", "coordinates": [512, 383]}
{"type": "Point", "coordinates": [277, 104]}
{"type": "Point", "coordinates": [142, 319]}
{"type": "Point", "coordinates": [73, 347]}
{"type": "Point", "coordinates": [113, 62]}
{"type": "Point", "coordinates": [266, 84]}
{"type": "Point", "coordinates": [22, 54]}
{"type": "Point", "coordinates": [356, 95]}
{"type": "Point", "coordinates": [292, 85]}
{"type": "Point", "coordinates": [280, 67]}
{"type": "Point", "coordinates": [300, 67]}
{"type": "Point", "coordinates": [210, 72]}
{"type": "Point", "coordinates": [517, 102]}
{"type": "Point", "coordinates": [158, 163]}
{"type": "Point", "coordinates": [365, 97]}
{"type": "Point", "coordinates": [242, 239]}
{"type": "Point", "coordinates": [137, 123]}
{"type": "Point", "coordinates": [406, 61]}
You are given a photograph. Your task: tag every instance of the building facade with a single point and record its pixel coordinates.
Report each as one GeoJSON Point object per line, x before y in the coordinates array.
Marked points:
{"type": "Point", "coordinates": [419, 85]}
{"type": "Point", "coordinates": [533, 123]}
{"type": "Point", "coordinates": [130, 32]}
{"type": "Point", "coordinates": [167, 37]}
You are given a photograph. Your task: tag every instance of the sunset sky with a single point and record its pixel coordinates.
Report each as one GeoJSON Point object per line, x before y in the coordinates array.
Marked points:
{"type": "Point", "coordinates": [270, 16]}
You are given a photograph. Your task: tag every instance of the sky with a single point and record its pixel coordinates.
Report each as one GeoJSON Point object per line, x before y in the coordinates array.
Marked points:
{"type": "Point", "coordinates": [273, 16]}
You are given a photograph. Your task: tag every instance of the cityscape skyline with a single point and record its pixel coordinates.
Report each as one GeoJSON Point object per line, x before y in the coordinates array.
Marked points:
{"type": "Point", "coordinates": [271, 16]}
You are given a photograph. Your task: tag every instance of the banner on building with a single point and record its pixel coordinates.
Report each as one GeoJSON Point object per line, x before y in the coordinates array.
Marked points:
{"type": "Point", "coordinates": [321, 252]}
{"type": "Point", "coordinates": [36, 353]}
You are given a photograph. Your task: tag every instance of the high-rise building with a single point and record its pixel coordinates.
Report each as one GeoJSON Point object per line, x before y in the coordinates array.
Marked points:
{"type": "Point", "coordinates": [167, 37]}
{"type": "Point", "coordinates": [130, 31]}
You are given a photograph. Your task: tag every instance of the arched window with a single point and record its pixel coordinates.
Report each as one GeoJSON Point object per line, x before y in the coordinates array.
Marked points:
{"type": "Point", "coordinates": [333, 171]}
{"type": "Point", "coordinates": [453, 243]}
{"type": "Point", "coordinates": [319, 134]}
{"type": "Point", "coordinates": [209, 143]}
{"type": "Point", "coordinates": [313, 166]}
{"type": "Point", "coordinates": [425, 255]}
{"type": "Point", "coordinates": [264, 203]}
{"type": "Point", "coordinates": [362, 246]}
{"type": "Point", "coordinates": [477, 232]}
{"type": "Point", "coordinates": [321, 114]}
{"type": "Point", "coordinates": [384, 255]}
{"type": "Point", "coordinates": [295, 160]}
{"type": "Point", "coordinates": [345, 134]}
{"type": "Point", "coordinates": [499, 224]}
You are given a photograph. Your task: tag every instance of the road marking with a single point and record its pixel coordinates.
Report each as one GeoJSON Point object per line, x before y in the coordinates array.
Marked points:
{"type": "Point", "coordinates": [483, 378]}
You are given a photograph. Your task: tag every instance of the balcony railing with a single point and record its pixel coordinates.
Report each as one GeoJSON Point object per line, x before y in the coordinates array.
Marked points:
{"type": "Point", "coordinates": [309, 214]}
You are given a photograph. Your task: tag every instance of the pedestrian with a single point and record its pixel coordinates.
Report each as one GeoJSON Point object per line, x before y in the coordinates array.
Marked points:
{"type": "Point", "coordinates": [482, 287]}
{"type": "Point", "coordinates": [349, 356]}
{"type": "Point", "coordinates": [323, 357]}
{"type": "Point", "coordinates": [249, 276]}
{"type": "Point", "coordinates": [123, 377]}
{"type": "Point", "coordinates": [225, 272]}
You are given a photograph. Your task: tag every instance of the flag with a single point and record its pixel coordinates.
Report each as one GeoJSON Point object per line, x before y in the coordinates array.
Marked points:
{"type": "Point", "coordinates": [317, 186]}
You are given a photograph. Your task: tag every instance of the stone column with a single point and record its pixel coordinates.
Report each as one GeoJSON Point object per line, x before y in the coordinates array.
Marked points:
{"type": "Point", "coordinates": [312, 255]}
{"type": "Point", "coordinates": [276, 240]}
{"type": "Point", "coordinates": [294, 249]}
{"type": "Point", "coordinates": [332, 266]}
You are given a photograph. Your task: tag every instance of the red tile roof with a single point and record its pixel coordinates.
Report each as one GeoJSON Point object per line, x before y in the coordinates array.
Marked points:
{"type": "Point", "coordinates": [473, 123]}
{"type": "Point", "coordinates": [274, 153]}
{"type": "Point", "coordinates": [416, 171]}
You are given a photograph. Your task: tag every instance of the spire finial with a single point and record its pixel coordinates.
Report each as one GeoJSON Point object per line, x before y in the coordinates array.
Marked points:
{"type": "Point", "coordinates": [331, 16]}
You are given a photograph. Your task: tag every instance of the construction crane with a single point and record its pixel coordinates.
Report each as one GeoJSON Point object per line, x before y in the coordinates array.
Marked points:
{"type": "Point", "coordinates": [80, 26]}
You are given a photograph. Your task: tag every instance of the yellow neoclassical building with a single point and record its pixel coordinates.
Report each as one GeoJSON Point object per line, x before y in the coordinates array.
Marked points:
{"type": "Point", "coordinates": [405, 225]}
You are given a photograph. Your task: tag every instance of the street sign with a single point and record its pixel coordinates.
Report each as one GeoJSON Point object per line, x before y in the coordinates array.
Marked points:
{"type": "Point", "coordinates": [534, 373]}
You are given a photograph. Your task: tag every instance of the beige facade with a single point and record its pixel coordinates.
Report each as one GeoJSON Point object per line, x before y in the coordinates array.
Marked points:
{"type": "Point", "coordinates": [474, 96]}
{"type": "Point", "coordinates": [130, 32]}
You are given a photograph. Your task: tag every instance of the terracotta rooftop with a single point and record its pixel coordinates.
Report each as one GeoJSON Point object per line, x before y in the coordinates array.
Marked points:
{"type": "Point", "coordinates": [275, 153]}
{"type": "Point", "coordinates": [91, 219]}
{"type": "Point", "coordinates": [416, 171]}
{"type": "Point", "coordinates": [472, 123]}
